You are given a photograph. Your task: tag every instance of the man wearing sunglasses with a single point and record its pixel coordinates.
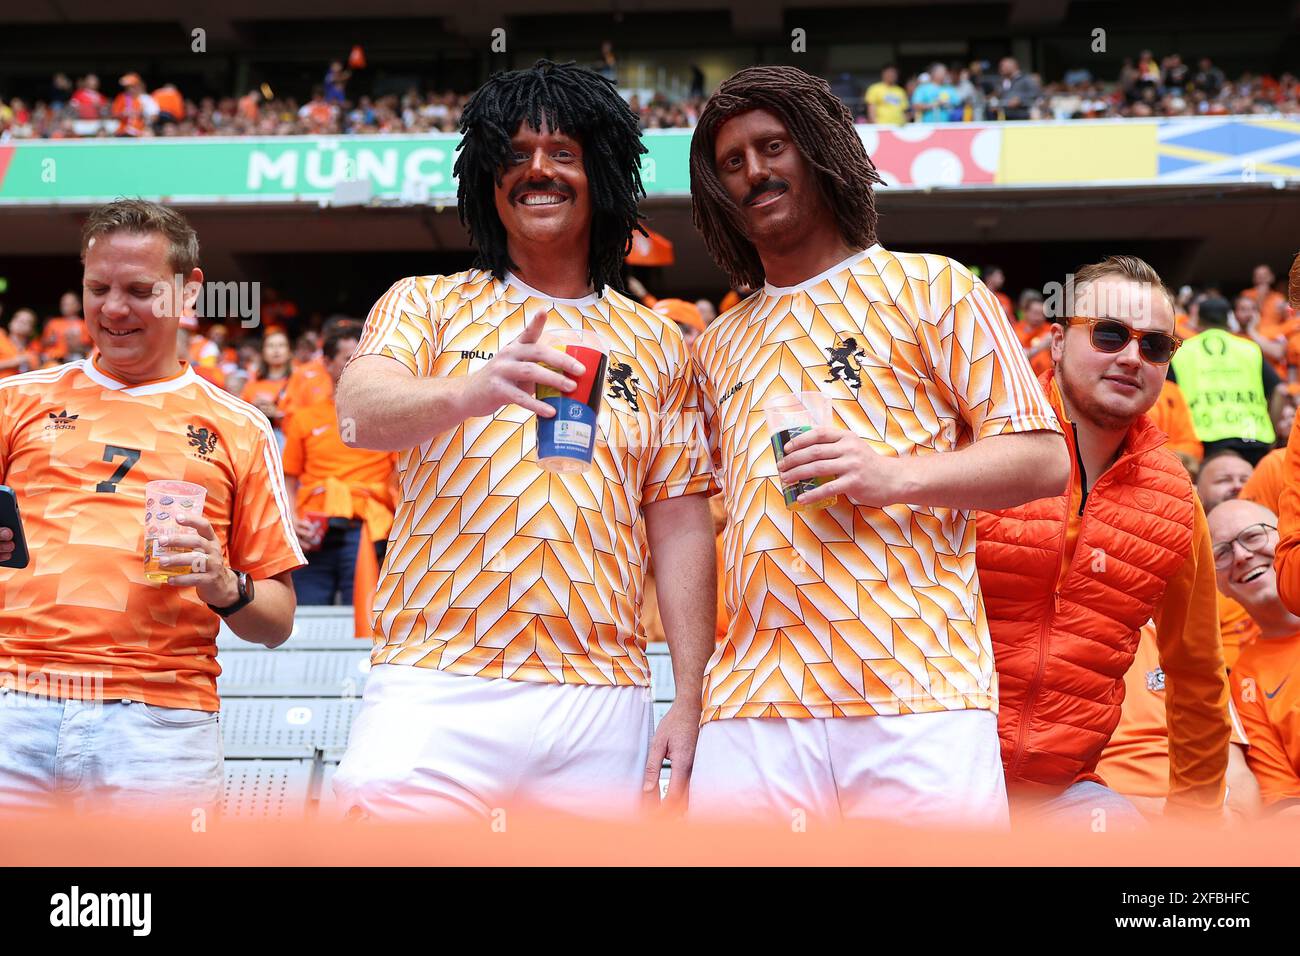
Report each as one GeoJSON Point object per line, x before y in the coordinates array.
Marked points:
{"type": "Point", "coordinates": [1068, 581]}
{"type": "Point", "coordinates": [1227, 383]}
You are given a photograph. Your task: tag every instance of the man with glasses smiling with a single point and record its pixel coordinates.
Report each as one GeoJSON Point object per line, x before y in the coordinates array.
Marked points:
{"type": "Point", "coordinates": [1266, 697]}
{"type": "Point", "coordinates": [1068, 581]}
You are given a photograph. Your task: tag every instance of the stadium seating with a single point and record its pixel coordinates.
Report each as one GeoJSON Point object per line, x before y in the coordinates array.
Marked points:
{"type": "Point", "coordinates": [286, 714]}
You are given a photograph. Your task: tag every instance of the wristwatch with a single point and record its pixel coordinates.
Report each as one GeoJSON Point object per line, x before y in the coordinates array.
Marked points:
{"type": "Point", "coordinates": [245, 584]}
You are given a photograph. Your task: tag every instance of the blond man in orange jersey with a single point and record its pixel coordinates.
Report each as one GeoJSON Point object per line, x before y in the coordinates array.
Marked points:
{"type": "Point", "coordinates": [856, 678]}
{"type": "Point", "coordinates": [509, 665]}
{"type": "Point", "coordinates": [116, 675]}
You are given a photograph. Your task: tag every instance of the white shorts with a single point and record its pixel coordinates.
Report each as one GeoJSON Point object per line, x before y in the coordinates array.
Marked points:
{"type": "Point", "coordinates": [933, 769]}
{"type": "Point", "coordinates": [428, 744]}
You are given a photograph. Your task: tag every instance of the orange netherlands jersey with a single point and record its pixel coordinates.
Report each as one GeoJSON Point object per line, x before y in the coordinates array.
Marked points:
{"type": "Point", "coordinates": [858, 611]}
{"type": "Point", "coordinates": [314, 453]}
{"type": "Point", "coordinates": [309, 383]}
{"type": "Point", "coordinates": [78, 446]}
{"type": "Point", "coordinates": [496, 567]}
{"type": "Point", "coordinates": [1136, 761]}
{"type": "Point", "coordinates": [1266, 690]}
{"type": "Point", "coordinates": [1264, 486]}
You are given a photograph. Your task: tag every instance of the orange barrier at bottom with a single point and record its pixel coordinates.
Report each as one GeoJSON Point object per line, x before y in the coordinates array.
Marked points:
{"type": "Point", "coordinates": [518, 838]}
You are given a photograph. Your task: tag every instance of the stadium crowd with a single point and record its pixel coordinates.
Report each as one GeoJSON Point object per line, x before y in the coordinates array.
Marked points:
{"type": "Point", "coordinates": [951, 92]}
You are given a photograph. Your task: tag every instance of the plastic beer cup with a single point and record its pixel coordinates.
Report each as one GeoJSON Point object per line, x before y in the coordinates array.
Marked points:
{"type": "Point", "coordinates": [164, 502]}
{"type": "Point", "coordinates": [791, 415]}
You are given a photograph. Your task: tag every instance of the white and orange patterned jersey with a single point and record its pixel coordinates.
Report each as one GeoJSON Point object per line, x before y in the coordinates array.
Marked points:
{"type": "Point", "coordinates": [854, 611]}
{"type": "Point", "coordinates": [496, 567]}
{"type": "Point", "coordinates": [77, 446]}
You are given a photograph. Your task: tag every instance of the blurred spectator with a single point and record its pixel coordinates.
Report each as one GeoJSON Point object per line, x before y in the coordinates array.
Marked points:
{"type": "Point", "coordinates": [343, 497]}
{"type": "Point", "coordinates": [1249, 323]}
{"type": "Point", "coordinates": [1270, 302]}
{"type": "Point", "coordinates": [268, 384]}
{"type": "Point", "coordinates": [1209, 78]}
{"type": "Point", "coordinates": [18, 351]}
{"type": "Point", "coordinates": [607, 65]}
{"type": "Point", "coordinates": [134, 108]}
{"type": "Point", "coordinates": [995, 279]}
{"type": "Point", "coordinates": [318, 113]}
{"type": "Point", "coordinates": [1018, 91]}
{"type": "Point", "coordinates": [171, 105]}
{"type": "Point", "coordinates": [1035, 332]}
{"type": "Point", "coordinates": [186, 334]}
{"type": "Point", "coordinates": [934, 99]}
{"type": "Point", "coordinates": [65, 334]}
{"type": "Point", "coordinates": [336, 83]}
{"type": "Point", "coordinates": [685, 314]}
{"type": "Point", "coordinates": [310, 381]}
{"type": "Point", "coordinates": [88, 101]}
{"type": "Point", "coordinates": [1281, 411]}
{"type": "Point", "coordinates": [60, 92]}
{"type": "Point", "coordinates": [707, 312]}
{"type": "Point", "coordinates": [1227, 384]}
{"type": "Point", "coordinates": [886, 100]}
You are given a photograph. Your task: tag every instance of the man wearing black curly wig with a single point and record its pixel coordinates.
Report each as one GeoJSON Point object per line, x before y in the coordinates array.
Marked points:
{"type": "Point", "coordinates": [508, 668]}
{"type": "Point", "coordinates": [856, 679]}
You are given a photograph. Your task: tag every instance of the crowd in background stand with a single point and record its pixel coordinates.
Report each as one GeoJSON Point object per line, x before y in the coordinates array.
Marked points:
{"type": "Point", "coordinates": [953, 92]}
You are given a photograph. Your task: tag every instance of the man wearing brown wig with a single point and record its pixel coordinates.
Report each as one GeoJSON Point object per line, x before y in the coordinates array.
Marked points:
{"type": "Point", "coordinates": [856, 678]}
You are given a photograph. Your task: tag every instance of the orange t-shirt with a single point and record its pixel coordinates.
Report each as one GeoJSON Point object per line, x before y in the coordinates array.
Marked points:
{"type": "Point", "coordinates": [78, 446]}
{"type": "Point", "coordinates": [314, 453]}
{"type": "Point", "coordinates": [1172, 416]}
{"type": "Point", "coordinates": [729, 301]}
{"type": "Point", "coordinates": [1136, 761]}
{"type": "Point", "coordinates": [54, 337]}
{"type": "Point", "coordinates": [1266, 691]}
{"type": "Point", "coordinates": [1264, 486]}
{"type": "Point", "coordinates": [309, 384]}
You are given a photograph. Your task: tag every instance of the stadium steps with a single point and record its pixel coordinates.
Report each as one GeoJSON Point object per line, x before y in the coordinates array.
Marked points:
{"type": "Point", "coordinates": [287, 713]}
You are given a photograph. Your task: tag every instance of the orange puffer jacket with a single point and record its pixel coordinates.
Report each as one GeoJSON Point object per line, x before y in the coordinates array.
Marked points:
{"type": "Point", "coordinates": [1061, 652]}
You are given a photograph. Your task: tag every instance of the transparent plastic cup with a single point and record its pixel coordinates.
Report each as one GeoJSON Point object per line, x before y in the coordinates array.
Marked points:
{"type": "Point", "coordinates": [164, 502]}
{"type": "Point", "coordinates": [787, 417]}
{"type": "Point", "coordinates": [567, 440]}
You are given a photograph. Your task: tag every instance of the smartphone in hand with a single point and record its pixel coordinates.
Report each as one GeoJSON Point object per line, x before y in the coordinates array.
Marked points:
{"type": "Point", "coordinates": [9, 518]}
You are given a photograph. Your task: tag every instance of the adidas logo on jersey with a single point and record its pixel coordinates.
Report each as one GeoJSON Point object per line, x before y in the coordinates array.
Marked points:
{"type": "Point", "coordinates": [61, 421]}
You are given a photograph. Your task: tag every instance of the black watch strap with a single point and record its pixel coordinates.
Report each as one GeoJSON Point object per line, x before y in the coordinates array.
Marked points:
{"type": "Point", "coordinates": [245, 598]}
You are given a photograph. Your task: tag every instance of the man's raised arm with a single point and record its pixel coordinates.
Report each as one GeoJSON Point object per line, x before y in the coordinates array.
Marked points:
{"type": "Point", "coordinates": [382, 405]}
